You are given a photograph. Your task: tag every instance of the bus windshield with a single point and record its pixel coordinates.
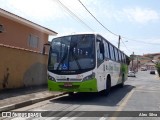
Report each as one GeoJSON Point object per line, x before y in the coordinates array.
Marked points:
{"type": "Point", "coordinates": [72, 54]}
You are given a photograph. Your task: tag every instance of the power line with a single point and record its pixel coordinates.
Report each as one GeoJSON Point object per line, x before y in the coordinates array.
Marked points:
{"type": "Point", "coordinates": [101, 23]}
{"type": "Point", "coordinates": [125, 45]}
{"type": "Point", "coordinates": [140, 41]}
{"type": "Point", "coordinates": [62, 5]}
{"type": "Point", "coordinates": [111, 31]}
{"type": "Point", "coordinates": [73, 14]}
{"type": "Point", "coordinates": [80, 20]}
{"type": "Point", "coordinates": [97, 19]}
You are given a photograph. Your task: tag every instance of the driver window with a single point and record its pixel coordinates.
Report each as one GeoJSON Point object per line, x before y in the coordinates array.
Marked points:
{"type": "Point", "coordinates": [99, 55]}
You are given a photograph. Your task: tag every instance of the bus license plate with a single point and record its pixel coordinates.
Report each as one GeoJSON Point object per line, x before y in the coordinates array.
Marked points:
{"type": "Point", "coordinates": [68, 84]}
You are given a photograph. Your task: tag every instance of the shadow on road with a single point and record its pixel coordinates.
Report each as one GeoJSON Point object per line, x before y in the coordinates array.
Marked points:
{"type": "Point", "coordinates": [116, 95]}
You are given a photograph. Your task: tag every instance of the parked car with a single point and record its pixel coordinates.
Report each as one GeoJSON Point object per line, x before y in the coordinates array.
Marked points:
{"type": "Point", "coordinates": [143, 69]}
{"type": "Point", "coordinates": [152, 72]}
{"type": "Point", "coordinates": [131, 74]}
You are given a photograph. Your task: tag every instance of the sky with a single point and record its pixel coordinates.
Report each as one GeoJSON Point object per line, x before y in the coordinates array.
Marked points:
{"type": "Point", "coordinates": [137, 21]}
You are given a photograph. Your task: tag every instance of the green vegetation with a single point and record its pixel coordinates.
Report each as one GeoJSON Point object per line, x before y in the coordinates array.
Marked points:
{"type": "Point", "coordinates": [158, 68]}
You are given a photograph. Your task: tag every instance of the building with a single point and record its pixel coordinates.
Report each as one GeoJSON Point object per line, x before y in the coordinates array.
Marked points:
{"type": "Point", "coordinates": [150, 66]}
{"type": "Point", "coordinates": [21, 46]}
{"type": "Point", "coordinates": [147, 61]}
{"type": "Point", "coordinates": [19, 32]}
{"type": "Point", "coordinates": [157, 57]}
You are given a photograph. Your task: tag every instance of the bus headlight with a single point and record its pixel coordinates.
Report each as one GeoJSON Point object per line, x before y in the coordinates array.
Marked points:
{"type": "Point", "coordinates": [89, 77]}
{"type": "Point", "coordinates": [51, 78]}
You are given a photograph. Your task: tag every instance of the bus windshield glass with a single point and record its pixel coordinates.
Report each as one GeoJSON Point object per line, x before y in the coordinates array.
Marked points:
{"type": "Point", "coordinates": [72, 54]}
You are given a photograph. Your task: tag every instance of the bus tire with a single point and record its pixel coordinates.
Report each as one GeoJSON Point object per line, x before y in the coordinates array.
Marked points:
{"type": "Point", "coordinates": [122, 84]}
{"type": "Point", "coordinates": [108, 87]}
{"type": "Point", "coordinates": [71, 93]}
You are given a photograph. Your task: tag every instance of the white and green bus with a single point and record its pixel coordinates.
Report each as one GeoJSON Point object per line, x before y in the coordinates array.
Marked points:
{"type": "Point", "coordinates": [85, 63]}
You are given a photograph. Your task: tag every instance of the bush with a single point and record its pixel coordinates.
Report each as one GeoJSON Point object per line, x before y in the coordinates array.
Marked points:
{"type": "Point", "coordinates": [158, 68]}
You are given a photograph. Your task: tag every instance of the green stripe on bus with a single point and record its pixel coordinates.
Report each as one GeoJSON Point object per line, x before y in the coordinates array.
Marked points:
{"type": "Point", "coordinates": [123, 70]}
{"type": "Point", "coordinates": [85, 86]}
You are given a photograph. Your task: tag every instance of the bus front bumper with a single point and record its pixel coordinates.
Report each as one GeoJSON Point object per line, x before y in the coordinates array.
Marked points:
{"type": "Point", "coordinates": [85, 86]}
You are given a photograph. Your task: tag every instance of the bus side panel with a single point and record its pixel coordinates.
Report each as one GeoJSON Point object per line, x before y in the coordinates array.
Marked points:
{"type": "Point", "coordinates": [107, 68]}
{"type": "Point", "coordinates": [86, 86]}
{"type": "Point", "coordinates": [123, 70]}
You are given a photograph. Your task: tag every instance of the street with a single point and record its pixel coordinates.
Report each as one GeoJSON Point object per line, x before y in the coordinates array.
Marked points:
{"type": "Point", "coordinates": [63, 60]}
{"type": "Point", "coordinates": [140, 93]}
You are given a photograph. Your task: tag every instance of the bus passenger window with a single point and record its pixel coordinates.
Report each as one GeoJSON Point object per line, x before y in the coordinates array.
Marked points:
{"type": "Point", "coordinates": [106, 50]}
{"type": "Point", "coordinates": [99, 56]}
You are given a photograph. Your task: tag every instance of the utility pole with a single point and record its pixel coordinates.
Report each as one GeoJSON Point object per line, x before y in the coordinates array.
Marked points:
{"type": "Point", "coordinates": [132, 60]}
{"type": "Point", "coordinates": [119, 38]}
{"type": "Point", "coordinates": [137, 63]}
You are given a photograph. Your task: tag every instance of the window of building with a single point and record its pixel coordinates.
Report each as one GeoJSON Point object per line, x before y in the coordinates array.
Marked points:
{"type": "Point", "coordinates": [33, 41]}
{"type": "Point", "coordinates": [1, 28]}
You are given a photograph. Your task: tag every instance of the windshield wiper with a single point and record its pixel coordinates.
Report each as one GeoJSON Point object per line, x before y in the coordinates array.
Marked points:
{"type": "Point", "coordinates": [75, 58]}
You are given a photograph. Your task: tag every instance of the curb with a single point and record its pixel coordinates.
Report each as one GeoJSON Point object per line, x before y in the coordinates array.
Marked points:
{"type": "Point", "coordinates": [157, 76]}
{"type": "Point", "coordinates": [28, 102]}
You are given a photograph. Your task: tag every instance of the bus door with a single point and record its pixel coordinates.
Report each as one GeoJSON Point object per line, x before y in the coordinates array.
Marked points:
{"type": "Point", "coordinates": [100, 66]}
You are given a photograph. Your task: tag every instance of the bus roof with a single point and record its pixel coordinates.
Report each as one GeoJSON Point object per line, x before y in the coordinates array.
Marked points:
{"type": "Point", "coordinates": [79, 33]}
{"type": "Point", "coordinates": [82, 33]}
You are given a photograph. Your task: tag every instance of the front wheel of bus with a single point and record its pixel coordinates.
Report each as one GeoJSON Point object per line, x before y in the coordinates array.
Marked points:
{"type": "Point", "coordinates": [71, 93]}
{"type": "Point", "coordinates": [108, 84]}
{"type": "Point", "coordinates": [108, 87]}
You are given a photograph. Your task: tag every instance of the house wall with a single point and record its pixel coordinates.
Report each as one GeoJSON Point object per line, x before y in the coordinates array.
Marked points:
{"type": "Point", "coordinates": [19, 68]}
{"type": "Point", "coordinates": [16, 34]}
{"type": "Point", "coordinates": [20, 64]}
{"type": "Point", "coordinates": [157, 57]}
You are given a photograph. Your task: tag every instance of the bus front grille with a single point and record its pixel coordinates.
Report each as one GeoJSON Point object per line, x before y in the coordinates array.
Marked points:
{"type": "Point", "coordinates": [69, 80]}
{"type": "Point", "coordinates": [69, 87]}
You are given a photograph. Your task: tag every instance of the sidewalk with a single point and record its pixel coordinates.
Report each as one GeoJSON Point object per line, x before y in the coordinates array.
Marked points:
{"type": "Point", "coordinates": [157, 76]}
{"type": "Point", "coordinates": [17, 98]}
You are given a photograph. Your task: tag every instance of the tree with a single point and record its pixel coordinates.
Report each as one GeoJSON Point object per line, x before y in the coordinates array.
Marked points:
{"type": "Point", "coordinates": [158, 67]}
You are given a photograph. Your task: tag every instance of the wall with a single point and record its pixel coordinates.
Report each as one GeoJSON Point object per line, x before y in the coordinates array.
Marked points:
{"type": "Point", "coordinates": [16, 34]}
{"type": "Point", "coordinates": [19, 68]}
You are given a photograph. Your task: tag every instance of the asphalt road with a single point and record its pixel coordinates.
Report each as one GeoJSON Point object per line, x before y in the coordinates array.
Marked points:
{"type": "Point", "coordinates": [139, 94]}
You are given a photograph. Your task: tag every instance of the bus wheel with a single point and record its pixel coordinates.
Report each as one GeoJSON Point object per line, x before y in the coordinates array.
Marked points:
{"type": "Point", "coordinates": [122, 84]}
{"type": "Point", "coordinates": [108, 87]}
{"type": "Point", "coordinates": [71, 93]}
{"type": "Point", "coordinates": [108, 84]}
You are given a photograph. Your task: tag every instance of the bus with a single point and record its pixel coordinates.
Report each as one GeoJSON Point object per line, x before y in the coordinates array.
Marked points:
{"type": "Point", "coordinates": [85, 63]}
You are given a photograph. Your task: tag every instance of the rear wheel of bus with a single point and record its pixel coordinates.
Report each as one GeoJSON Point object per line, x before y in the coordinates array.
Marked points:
{"type": "Point", "coordinates": [71, 93]}
{"type": "Point", "coordinates": [122, 83]}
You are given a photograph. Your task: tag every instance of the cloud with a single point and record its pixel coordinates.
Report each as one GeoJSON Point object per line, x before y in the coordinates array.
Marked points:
{"type": "Point", "coordinates": [39, 11]}
{"type": "Point", "coordinates": [140, 15]}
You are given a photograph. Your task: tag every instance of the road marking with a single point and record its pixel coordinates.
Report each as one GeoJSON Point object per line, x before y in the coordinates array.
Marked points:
{"type": "Point", "coordinates": [146, 90]}
{"type": "Point", "coordinates": [122, 105]}
{"type": "Point", "coordinates": [67, 116]}
{"type": "Point", "coordinates": [102, 118]}
{"type": "Point", "coordinates": [78, 115]}
{"type": "Point", "coordinates": [140, 87]}
{"type": "Point", "coordinates": [70, 114]}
